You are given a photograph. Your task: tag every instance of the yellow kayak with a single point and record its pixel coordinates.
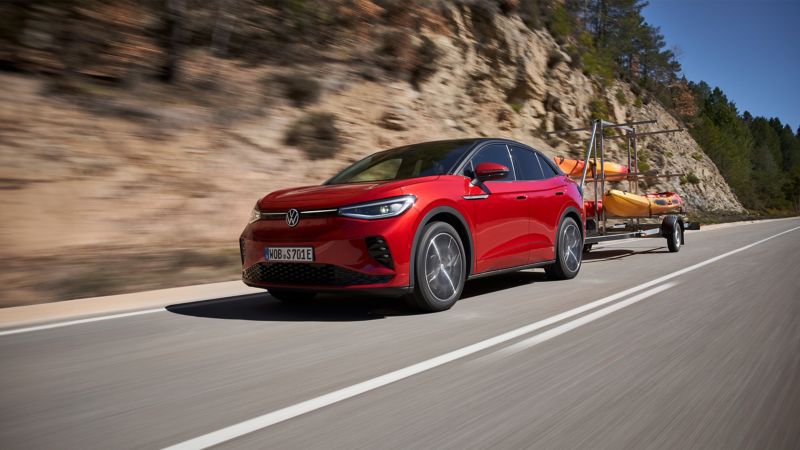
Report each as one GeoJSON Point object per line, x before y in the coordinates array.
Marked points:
{"type": "Point", "coordinates": [623, 203]}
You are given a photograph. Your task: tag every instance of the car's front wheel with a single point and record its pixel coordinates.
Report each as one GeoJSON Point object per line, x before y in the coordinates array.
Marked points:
{"type": "Point", "coordinates": [439, 269]}
{"type": "Point", "coordinates": [568, 251]}
{"type": "Point", "coordinates": [292, 297]}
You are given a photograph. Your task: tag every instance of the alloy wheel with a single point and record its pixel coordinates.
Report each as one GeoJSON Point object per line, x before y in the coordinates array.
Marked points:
{"type": "Point", "coordinates": [571, 250]}
{"type": "Point", "coordinates": [443, 266]}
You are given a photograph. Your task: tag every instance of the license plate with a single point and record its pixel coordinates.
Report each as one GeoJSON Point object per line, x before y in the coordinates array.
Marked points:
{"type": "Point", "coordinates": [289, 253]}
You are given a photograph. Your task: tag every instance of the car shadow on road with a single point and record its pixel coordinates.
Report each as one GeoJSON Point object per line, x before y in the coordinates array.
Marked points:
{"type": "Point", "coordinates": [608, 255]}
{"type": "Point", "coordinates": [336, 308]}
{"type": "Point", "coordinates": [323, 308]}
{"type": "Point", "coordinates": [497, 283]}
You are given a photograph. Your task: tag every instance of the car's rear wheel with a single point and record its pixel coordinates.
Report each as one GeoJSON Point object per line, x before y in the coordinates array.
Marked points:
{"type": "Point", "coordinates": [292, 297]}
{"type": "Point", "coordinates": [568, 251]}
{"type": "Point", "coordinates": [439, 269]}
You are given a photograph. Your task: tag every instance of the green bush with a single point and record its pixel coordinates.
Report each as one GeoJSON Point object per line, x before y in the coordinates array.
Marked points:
{"type": "Point", "coordinates": [692, 178]}
{"type": "Point", "coordinates": [316, 134]}
{"type": "Point", "coordinates": [669, 154]}
{"type": "Point", "coordinates": [517, 107]}
{"type": "Point", "coordinates": [597, 61]}
{"type": "Point", "coordinates": [638, 102]}
{"type": "Point", "coordinates": [698, 156]}
{"type": "Point", "coordinates": [644, 167]}
{"type": "Point", "coordinates": [560, 24]}
{"type": "Point", "coordinates": [684, 180]}
{"type": "Point", "coordinates": [621, 97]}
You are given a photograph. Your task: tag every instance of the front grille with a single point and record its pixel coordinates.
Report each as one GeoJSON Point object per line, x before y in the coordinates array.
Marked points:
{"type": "Point", "coordinates": [309, 274]}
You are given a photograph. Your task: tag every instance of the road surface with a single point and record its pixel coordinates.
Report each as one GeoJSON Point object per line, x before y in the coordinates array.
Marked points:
{"type": "Point", "coordinates": [645, 349]}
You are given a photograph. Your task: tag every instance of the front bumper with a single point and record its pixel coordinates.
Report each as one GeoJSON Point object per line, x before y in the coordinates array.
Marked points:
{"type": "Point", "coordinates": [342, 260]}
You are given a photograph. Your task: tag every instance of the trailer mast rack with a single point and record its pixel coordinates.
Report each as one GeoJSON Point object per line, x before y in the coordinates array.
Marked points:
{"type": "Point", "coordinates": [673, 224]}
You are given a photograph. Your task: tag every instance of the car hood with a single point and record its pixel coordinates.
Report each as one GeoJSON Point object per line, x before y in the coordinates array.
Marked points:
{"type": "Point", "coordinates": [335, 195]}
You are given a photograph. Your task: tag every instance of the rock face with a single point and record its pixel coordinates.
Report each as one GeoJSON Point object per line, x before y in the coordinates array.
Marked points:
{"type": "Point", "coordinates": [492, 78]}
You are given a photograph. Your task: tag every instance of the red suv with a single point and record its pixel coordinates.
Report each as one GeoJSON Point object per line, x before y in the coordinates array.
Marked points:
{"type": "Point", "coordinates": [417, 221]}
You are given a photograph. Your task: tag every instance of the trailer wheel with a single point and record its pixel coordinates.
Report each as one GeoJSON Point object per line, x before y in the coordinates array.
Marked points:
{"type": "Point", "coordinates": [675, 238]}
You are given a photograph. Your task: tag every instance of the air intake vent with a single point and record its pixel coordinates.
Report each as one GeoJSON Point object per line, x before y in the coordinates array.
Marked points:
{"type": "Point", "coordinates": [242, 249]}
{"type": "Point", "coordinates": [379, 251]}
{"type": "Point", "coordinates": [305, 274]}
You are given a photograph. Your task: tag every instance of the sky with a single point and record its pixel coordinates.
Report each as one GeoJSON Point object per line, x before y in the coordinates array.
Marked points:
{"type": "Point", "coordinates": [748, 48]}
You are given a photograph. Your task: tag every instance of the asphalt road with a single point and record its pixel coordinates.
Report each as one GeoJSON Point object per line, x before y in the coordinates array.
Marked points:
{"type": "Point", "coordinates": [707, 358]}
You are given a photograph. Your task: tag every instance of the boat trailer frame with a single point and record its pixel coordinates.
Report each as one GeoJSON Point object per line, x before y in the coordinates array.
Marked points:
{"type": "Point", "coordinates": [601, 231]}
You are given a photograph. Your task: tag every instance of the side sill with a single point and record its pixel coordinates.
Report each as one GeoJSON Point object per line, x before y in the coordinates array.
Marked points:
{"type": "Point", "coordinates": [511, 269]}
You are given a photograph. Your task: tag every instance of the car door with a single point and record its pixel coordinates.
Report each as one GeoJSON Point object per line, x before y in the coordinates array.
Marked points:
{"type": "Point", "coordinates": [539, 190]}
{"type": "Point", "coordinates": [546, 212]}
{"type": "Point", "coordinates": [501, 214]}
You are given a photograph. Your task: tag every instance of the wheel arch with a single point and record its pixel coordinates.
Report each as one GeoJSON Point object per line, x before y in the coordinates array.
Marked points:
{"type": "Point", "coordinates": [574, 213]}
{"type": "Point", "coordinates": [454, 218]}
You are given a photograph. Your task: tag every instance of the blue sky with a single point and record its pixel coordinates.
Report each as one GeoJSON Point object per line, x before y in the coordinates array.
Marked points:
{"type": "Point", "coordinates": [748, 48]}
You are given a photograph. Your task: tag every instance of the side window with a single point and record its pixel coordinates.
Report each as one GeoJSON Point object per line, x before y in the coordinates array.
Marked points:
{"type": "Point", "coordinates": [528, 167]}
{"type": "Point", "coordinates": [497, 154]}
{"type": "Point", "coordinates": [547, 169]}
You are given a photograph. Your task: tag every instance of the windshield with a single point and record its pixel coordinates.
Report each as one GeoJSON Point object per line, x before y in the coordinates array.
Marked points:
{"type": "Point", "coordinates": [412, 161]}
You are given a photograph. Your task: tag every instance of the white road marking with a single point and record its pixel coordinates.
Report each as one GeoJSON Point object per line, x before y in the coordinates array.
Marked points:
{"type": "Point", "coordinates": [266, 420]}
{"type": "Point", "coordinates": [549, 334]}
{"type": "Point", "coordinates": [76, 322]}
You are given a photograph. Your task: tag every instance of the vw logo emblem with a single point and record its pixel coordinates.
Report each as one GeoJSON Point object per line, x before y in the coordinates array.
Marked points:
{"type": "Point", "coordinates": [292, 217]}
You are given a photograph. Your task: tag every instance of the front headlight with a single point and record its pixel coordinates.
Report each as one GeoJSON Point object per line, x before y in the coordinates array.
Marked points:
{"type": "Point", "coordinates": [255, 214]}
{"type": "Point", "coordinates": [379, 209]}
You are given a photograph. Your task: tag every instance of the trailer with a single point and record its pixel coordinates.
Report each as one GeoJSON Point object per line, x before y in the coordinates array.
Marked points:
{"type": "Point", "coordinates": [672, 224]}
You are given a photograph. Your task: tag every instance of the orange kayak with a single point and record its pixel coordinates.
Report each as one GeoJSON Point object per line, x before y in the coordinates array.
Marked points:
{"type": "Point", "coordinates": [574, 167]}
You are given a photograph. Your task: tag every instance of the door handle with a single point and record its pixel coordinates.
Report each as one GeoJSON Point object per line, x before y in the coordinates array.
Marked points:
{"type": "Point", "coordinates": [559, 193]}
{"type": "Point", "coordinates": [522, 197]}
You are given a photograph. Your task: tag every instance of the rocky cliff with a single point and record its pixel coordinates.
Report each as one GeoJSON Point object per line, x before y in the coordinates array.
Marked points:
{"type": "Point", "coordinates": [148, 171]}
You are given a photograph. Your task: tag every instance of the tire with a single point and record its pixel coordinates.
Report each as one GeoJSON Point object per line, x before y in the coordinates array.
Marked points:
{"type": "Point", "coordinates": [292, 297]}
{"type": "Point", "coordinates": [675, 238]}
{"type": "Point", "coordinates": [568, 251]}
{"type": "Point", "coordinates": [440, 269]}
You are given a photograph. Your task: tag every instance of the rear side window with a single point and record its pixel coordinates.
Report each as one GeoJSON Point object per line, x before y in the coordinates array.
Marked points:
{"type": "Point", "coordinates": [528, 167]}
{"type": "Point", "coordinates": [547, 169]}
{"type": "Point", "coordinates": [498, 154]}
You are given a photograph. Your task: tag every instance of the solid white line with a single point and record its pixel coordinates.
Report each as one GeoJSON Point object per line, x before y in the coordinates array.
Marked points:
{"type": "Point", "coordinates": [76, 322]}
{"type": "Point", "coordinates": [549, 334]}
{"type": "Point", "coordinates": [249, 426]}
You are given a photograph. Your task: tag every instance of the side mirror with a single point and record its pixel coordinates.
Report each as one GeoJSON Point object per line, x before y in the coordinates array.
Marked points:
{"type": "Point", "coordinates": [488, 172]}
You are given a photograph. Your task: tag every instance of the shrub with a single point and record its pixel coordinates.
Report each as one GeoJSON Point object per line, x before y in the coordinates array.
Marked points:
{"type": "Point", "coordinates": [684, 180]}
{"type": "Point", "coordinates": [621, 97]}
{"type": "Point", "coordinates": [646, 100]}
{"type": "Point", "coordinates": [692, 178]}
{"type": "Point", "coordinates": [299, 87]}
{"type": "Point", "coordinates": [560, 25]}
{"type": "Point", "coordinates": [553, 58]}
{"type": "Point", "coordinates": [638, 102]}
{"type": "Point", "coordinates": [669, 154]}
{"type": "Point", "coordinates": [637, 91]}
{"type": "Point", "coordinates": [644, 167]}
{"type": "Point", "coordinates": [316, 134]}
{"type": "Point", "coordinates": [517, 107]}
{"type": "Point", "coordinates": [698, 156]}
{"type": "Point", "coordinates": [575, 56]}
